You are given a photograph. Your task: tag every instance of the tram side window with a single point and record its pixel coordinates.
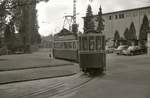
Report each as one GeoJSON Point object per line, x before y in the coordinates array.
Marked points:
{"type": "Point", "coordinates": [103, 43]}
{"type": "Point", "coordinates": [65, 45]}
{"type": "Point", "coordinates": [68, 45]}
{"type": "Point", "coordinates": [74, 45]}
{"type": "Point", "coordinates": [91, 44]}
{"type": "Point", "coordinates": [98, 43]}
{"type": "Point", "coordinates": [80, 44]}
{"type": "Point", "coordinates": [84, 44]}
{"type": "Point", "coordinates": [58, 45]}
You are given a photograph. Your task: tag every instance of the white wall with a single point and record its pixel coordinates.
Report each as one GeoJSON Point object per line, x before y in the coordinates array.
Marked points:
{"type": "Point", "coordinates": [121, 24]}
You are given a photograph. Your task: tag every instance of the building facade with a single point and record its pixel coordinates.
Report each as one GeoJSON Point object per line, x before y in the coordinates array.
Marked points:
{"type": "Point", "coordinates": [120, 20]}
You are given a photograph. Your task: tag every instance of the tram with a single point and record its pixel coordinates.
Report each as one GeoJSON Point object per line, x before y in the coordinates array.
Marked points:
{"type": "Point", "coordinates": [92, 54]}
{"type": "Point", "coordinates": [86, 49]}
{"type": "Point", "coordinates": [65, 46]}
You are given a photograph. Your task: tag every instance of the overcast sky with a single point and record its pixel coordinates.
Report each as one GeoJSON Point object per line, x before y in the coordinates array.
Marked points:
{"type": "Point", "coordinates": [51, 14]}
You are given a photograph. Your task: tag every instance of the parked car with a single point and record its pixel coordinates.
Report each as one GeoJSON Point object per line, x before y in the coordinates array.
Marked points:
{"type": "Point", "coordinates": [109, 49]}
{"type": "Point", "coordinates": [134, 50]}
{"type": "Point", "coordinates": [18, 52]}
{"type": "Point", "coordinates": [120, 49]}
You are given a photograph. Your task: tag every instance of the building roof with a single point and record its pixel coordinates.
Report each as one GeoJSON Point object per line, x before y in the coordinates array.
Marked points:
{"type": "Point", "coordinates": [141, 8]}
{"type": "Point", "coordinates": [64, 34]}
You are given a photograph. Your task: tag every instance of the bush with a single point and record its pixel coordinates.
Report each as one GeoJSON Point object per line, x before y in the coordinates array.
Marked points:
{"type": "Point", "coordinates": [3, 51]}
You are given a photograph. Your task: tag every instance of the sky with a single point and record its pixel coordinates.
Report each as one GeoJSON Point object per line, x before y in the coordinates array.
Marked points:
{"type": "Point", "coordinates": [51, 14]}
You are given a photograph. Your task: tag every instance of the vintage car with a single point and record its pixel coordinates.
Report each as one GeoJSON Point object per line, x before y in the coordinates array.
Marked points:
{"type": "Point", "coordinates": [134, 50]}
{"type": "Point", "coordinates": [120, 49]}
{"type": "Point", "coordinates": [109, 49]}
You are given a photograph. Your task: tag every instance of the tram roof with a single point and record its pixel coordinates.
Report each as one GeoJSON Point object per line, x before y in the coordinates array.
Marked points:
{"type": "Point", "coordinates": [65, 34]}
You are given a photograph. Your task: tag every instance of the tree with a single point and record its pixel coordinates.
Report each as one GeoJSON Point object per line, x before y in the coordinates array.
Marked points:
{"type": "Point", "coordinates": [33, 28]}
{"type": "Point", "coordinates": [116, 35]}
{"type": "Point", "coordinates": [23, 13]}
{"type": "Point", "coordinates": [2, 21]}
{"type": "Point", "coordinates": [126, 34]}
{"type": "Point", "coordinates": [88, 21]}
{"type": "Point", "coordinates": [143, 31]}
{"type": "Point", "coordinates": [3, 15]}
{"type": "Point", "coordinates": [100, 20]}
{"type": "Point", "coordinates": [9, 36]}
{"type": "Point", "coordinates": [144, 27]}
{"type": "Point", "coordinates": [116, 38]}
{"type": "Point", "coordinates": [132, 32]}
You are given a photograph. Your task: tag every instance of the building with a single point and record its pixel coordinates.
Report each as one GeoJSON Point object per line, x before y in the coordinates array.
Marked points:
{"type": "Point", "coordinates": [120, 20]}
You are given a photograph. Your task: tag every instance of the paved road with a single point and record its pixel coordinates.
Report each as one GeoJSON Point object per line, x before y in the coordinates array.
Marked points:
{"type": "Point", "coordinates": [126, 77]}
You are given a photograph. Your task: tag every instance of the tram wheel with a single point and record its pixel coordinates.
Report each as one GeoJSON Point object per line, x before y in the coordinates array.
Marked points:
{"type": "Point", "coordinates": [84, 70]}
{"type": "Point", "coordinates": [96, 71]}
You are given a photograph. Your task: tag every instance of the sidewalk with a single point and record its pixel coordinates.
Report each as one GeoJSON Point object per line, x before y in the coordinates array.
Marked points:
{"type": "Point", "coordinates": [26, 61]}
{"type": "Point", "coordinates": [35, 74]}
{"type": "Point", "coordinates": [27, 67]}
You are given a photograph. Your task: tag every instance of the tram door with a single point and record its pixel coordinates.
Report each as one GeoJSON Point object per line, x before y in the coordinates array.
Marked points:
{"type": "Point", "coordinates": [92, 52]}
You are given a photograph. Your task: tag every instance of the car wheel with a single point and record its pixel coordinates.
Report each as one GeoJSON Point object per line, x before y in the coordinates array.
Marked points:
{"type": "Point", "coordinates": [131, 53]}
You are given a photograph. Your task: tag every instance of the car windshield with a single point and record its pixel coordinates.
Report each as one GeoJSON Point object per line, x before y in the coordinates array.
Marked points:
{"type": "Point", "coordinates": [121, 47]}
{"type": "Point", "coordinates": [131, 48]}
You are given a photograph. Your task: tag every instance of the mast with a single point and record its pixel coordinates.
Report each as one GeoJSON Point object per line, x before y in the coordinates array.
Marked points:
{"type": "Point", "coordinates": [74, 11]}
{"type": "Point", "coordinates": [74, 25]}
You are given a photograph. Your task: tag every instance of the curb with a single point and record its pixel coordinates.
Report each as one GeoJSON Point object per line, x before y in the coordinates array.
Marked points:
{"type": "Point", "coordinates": [18, 81]}
{"type": "Point", "coordinates": [15, 69]}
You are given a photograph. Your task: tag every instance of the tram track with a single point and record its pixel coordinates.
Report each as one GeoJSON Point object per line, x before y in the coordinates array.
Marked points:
{"type": "Point", "coordinates": [71, 90]}
{"type": "Point", "coordinates": [60, 88]}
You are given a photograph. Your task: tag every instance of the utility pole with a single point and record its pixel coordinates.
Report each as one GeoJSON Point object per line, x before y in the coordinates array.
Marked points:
{"type": "Point", "coordinates": [74, 11]}
{"type": "Point", "coordinates": [74, 25]}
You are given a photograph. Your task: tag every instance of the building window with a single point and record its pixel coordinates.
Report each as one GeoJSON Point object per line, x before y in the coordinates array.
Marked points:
{"type": "Point", "coordinates": [134, 14]}
{"type": "Point", "coordinates": [121, 16]}
{"type": "Point", "coordinates": [110, 17]}
{"type": "Point", "coordinates": [128, 14]}
{"type": "Point", "coordinates": [116, 16]}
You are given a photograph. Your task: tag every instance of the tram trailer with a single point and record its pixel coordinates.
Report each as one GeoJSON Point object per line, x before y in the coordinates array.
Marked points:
{"type": "Point", "coordinates": [66, 47]}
